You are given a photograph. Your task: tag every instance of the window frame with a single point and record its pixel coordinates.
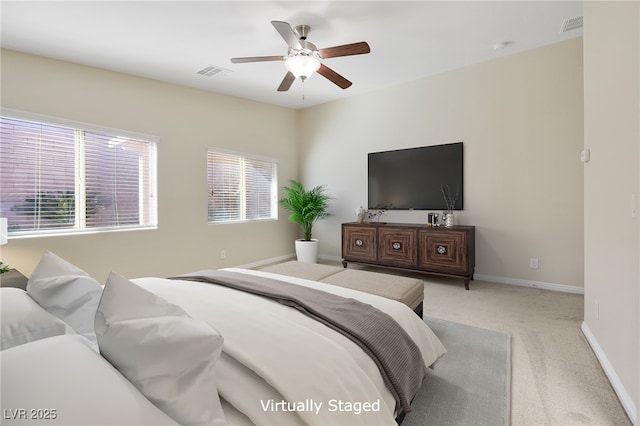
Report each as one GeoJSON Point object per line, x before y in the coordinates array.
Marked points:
{"type": "Point", "coordinates": [79, 227]}
{"type": "Point", "coordinates": [274, 186]}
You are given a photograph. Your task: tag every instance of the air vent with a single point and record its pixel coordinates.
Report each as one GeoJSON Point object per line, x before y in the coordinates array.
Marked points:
{"type": "Point", "coordinates": [571, 24]}
{"type": "Point", "coordinates": [211, 70]}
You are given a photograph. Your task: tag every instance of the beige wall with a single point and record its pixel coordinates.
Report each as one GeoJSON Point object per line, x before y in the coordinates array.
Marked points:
{"type": "Point", "coordinates": [521, 120]}
{"type": "Point", "coordinates": [520, 117]}
{"type": "Point", "coordinates": [187, 121]}
{"type": "Point", "coordinates": [612, 233]}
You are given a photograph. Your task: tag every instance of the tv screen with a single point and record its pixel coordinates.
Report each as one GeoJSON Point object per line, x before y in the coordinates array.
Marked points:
{"type": "Point", "coordinates": [411, 179]}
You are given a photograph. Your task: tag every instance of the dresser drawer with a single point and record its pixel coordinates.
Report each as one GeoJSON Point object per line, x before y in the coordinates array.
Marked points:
{"type": "Point", "coordinates": [444, 251]}
{"type": "Point", "coordinates": [359, 243]}
{"type": "Point", "coordinates": [397, 246]}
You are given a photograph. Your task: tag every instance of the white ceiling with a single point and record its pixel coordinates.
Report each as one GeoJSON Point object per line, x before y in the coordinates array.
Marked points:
{"type": "Point", "coordinates": [172, 40]}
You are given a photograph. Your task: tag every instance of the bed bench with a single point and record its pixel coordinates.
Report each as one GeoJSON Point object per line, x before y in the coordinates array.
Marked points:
{"type": "Point", "coordinates": [409, 291]}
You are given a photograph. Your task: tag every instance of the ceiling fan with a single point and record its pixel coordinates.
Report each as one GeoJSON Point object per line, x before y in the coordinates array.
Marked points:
{"type": "Point", "coordinates": [304, 58]}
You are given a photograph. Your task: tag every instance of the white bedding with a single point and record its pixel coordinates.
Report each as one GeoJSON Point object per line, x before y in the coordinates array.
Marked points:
{"type": "Point", "coordinates": [274, 355]}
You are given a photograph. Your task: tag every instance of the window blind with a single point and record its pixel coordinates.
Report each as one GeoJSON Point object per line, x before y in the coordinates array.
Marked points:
{"type": "Point", "coordinates": [64, 179]}
{"type": "Point", "coordinates": [241, 187]}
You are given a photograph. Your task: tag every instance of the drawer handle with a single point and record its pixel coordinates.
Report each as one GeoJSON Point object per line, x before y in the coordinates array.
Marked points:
{"type": "Point", "coordinates": [396, 246]}
{"type": "Point", "coordinates": [359, 243]}
{"type": "Point", "coordinates": [441, 250]}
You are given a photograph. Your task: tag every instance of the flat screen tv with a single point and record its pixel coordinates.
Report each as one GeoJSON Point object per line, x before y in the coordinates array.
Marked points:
{"type": "Point", "coordinates": [410, 179]}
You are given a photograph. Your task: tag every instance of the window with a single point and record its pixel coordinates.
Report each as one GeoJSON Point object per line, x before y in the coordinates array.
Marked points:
{"type": "Point", "coordinates": [241, 187]}
{"type": "Point", "coordinates": [60, 177]}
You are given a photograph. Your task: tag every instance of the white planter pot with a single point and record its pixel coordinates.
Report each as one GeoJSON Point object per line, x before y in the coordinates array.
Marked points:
{"type": "Point", "coordinates": [307, 251]}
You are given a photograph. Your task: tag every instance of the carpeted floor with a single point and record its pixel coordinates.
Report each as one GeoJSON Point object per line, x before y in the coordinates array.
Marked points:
{"type": "Point", "coordinates": [470, 385]}
{"type": "Point", "coordinates": [556, 379]}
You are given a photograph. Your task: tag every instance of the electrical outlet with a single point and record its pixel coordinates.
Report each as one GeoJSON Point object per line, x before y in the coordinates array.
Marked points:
{"type": "Point", "coordinates": [533, 263]}
{"type": "Point", "coordinates": [223, 254]}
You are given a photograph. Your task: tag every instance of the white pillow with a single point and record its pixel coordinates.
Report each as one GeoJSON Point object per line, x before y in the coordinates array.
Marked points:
{"type": "Point", "coordinates": [67, 292]}
{"type": "Point", "coordinates": [169, 356]}
{"type": "Point", "coordinates": [62, 381]}
{"type": "Point", "coordinates": [22, 320]}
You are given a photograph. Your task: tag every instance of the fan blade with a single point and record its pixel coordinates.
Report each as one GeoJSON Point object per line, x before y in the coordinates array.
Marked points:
{"type": "Point", "coordinates": [287, 34]}
{"type": "Point", "coordinates": [333, 76]}
{"type": "Point", "coordinates": [345, 50]}
{"type": "Point", "coordinates": [287, 81]}
{"type": "Point", "coordinates": [257, 59]}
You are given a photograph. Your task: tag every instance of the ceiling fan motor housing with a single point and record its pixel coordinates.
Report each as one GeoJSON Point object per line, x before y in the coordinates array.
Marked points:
{"type": "Point", "coordinates": [303, 31]}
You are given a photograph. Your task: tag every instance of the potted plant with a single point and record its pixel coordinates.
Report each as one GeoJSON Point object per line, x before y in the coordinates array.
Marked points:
{"type": "Point", "coordinates": [306, 207]}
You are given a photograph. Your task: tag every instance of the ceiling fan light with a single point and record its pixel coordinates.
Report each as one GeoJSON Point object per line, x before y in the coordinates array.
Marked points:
{"type": "Point", "coordinates": [302, 66]}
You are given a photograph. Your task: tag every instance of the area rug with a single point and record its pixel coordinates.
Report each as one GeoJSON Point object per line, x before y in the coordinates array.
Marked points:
{"type": "Point", "coordinates": [471, 384]}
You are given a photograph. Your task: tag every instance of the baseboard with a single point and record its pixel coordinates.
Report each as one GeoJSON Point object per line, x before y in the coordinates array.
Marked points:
{"type": "Point", "coordinates": [618, 387]}
{"type": "Point", "coordinates": [528, 283]}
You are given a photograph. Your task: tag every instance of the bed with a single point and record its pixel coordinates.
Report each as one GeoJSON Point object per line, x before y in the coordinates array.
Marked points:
{"type": "Point", "coordinates": [266, 363]}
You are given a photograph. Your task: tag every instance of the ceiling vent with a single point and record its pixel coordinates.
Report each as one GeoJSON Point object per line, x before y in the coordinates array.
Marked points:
{"type": "Point", "coordinates": [211, 70]}
{"type": "Point", "coordinates": [571, 24]}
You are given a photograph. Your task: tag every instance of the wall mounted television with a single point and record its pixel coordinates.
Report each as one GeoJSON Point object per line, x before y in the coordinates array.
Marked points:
{"type": "Point", "coordinates": [410, 179]}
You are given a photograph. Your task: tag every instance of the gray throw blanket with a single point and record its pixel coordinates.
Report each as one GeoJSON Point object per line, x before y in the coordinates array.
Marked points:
{"type": "Point", "coordinates": [377, 333]}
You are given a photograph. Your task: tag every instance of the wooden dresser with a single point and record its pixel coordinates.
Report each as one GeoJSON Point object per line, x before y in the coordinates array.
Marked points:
{"type": "Point", "coordinates": [412, 247]}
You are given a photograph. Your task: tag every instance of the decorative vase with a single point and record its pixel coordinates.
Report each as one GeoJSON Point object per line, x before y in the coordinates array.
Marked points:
{"type": "Point", "coordinates": [307, 251]}
{"type": "Point", "coordinates": [448, 221]}
{"type": "Point", "coordinates": [360, 214]}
